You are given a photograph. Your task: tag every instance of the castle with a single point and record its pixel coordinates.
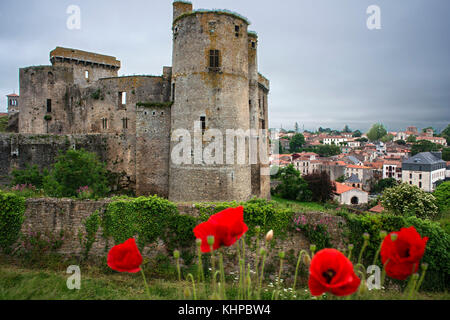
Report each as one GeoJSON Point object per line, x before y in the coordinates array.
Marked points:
{"type": "Point", "coordinates": [213, 81]}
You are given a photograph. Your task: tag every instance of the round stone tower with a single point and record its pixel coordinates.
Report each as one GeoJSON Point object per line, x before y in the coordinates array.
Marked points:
{"type": "Point", "coordinates": [210, 89]}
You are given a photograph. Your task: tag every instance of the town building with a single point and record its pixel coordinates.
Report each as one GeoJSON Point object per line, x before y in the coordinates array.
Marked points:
{"type": "Point", "coordinates": [350, 195]}
{"type": "Point", "coordinates": [424, 170]}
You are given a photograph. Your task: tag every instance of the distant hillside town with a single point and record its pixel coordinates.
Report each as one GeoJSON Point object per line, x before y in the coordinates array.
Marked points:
{"type": "Point", "coordinates": [356, 162]}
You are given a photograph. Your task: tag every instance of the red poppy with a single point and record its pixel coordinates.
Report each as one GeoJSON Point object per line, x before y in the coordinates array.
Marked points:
{"type": "Point", "coordinates": [125, 257]}
{"type": "Point", "coordinates": [404, 254]}
{"type": "Point", "coordinates": [331, 271]}
{"type": "Point", "coordinates": [226, 226]}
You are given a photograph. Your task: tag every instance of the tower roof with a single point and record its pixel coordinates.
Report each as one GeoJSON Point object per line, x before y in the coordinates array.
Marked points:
{"type": "Point", "coordinates": [12, 95]}
{"type": "Point", "coordinates": [79, 55]}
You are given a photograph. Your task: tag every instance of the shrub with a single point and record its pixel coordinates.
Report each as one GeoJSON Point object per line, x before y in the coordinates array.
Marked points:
{"type": "Point", "coordinates": [148, 218]}
{"type": "Point", "coordinates": [31, 175]}
{"type": "Point", "coordinates": [321, 187]}
{"type": "Point", "coordinates": [12, 209]}
{"type": "Point", "coordinates": [437, 253]}
{"type": "Point", "coordinates": [257, 212]}
{"type": "Point", "coordinates": [442, 195]}
{"type": "Point", "coordinates": [292, 186]}
{"type": "Point", "coordinates": [75, 169]}
{"type": "Point", "coordinates": [91, 226]}
{"type": "Point", "coordinates": [383, 184]}
{"type": "Point", "coordinates": [316, 233]}
{"type": "Point", "coordinates": [408, 200]}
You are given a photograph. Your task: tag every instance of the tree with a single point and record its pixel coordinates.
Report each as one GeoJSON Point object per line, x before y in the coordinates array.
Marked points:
{"type": "Point", "coordinates": [346, 129]}
{"type": "Point", "coordinates": [31, 175]}
{"type": "Point", "coordinates": [292, 186]}
{"type": "Point", "coordinates": [423, 146]}
{"type": "Point", "coordinates": [357, 134]}
{"type": "Point", "coordinates": [408, 200]}
{"type": "Point", "coordinates": [75, 169]}
{"type": "Point", "coordinates": [383, 184]}
{"type": "Point", "coordinates": [362, 140]}
{"type": "Point", "coordinates": [442, 195]}
{"type": "Point", "coordinates": [411, 139]}
{"type": "Point", "coordinates": [446, 154]}
{"type": "Point", "coordinates": [424, 130]}
{"type": "Point", "coordinates": [328, 150]}
{"type": "Point", "coordinates": [297, 129]}
{"type": "Point", "coordinates": [401, 142]}
{"type": "Point", "coordinates": [377, 132]}
{"type": "Point", "coordinates": [446, 134]}
{"type": "Point", "coordinates": [341, 179]}
{"type": "Point", "coordinates": [297, 141]}
{"type": "Point", "coordinates": [387, 138]}
{"type": "Point", "coordinates": [321, 186]}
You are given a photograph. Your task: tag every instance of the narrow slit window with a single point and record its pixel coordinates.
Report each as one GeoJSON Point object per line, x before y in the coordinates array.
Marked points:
{"type": "Point", "coordinates": [86, 74]}
{"type": "Point", "coordinates": [105, 123]}
{"type": "Point", "coordinates": [123, 98]}
{"type": "Point", "coordinates": [173, 92]}
{"type": "Point", "coordinates": [125, 123]}
{"type": "Point", "coordinates": [49, 105]}
{"type": "Point", "coordinates": [203, 123]}
{"type": "Point", "coordinates": [214, 61]}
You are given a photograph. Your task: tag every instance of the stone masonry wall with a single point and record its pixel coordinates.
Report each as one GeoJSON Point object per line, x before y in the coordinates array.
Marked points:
{"type": "Point", "coordinates": [55, 215]}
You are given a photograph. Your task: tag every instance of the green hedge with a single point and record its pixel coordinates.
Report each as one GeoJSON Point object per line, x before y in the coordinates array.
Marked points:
{"type": "Point", "coordinates": [437, 253]}
{"type": "Point", "coordinates": [257, 212]}
{"type": "Point", "coordinates": [12, 209]}
{"type": "Point", "coordinates": [148, 218]}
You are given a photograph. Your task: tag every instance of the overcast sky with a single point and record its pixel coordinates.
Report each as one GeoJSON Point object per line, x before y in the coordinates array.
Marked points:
{"type": "Point", "coordinates": [325, 66]}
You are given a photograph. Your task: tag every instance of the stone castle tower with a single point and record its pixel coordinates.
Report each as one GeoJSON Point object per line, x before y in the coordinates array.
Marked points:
{"type": "Point", "coordinates": [213, 84]}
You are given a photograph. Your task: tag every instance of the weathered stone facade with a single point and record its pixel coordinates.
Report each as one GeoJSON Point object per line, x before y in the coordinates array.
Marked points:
{"type": "Point", "coordinates": [81, 94]}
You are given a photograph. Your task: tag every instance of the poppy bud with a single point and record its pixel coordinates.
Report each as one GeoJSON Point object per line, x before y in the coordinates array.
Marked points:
{"type": "Point", "coordinates": [282, 255]}
{"type": "Point", "coordinates": [306, 259]}
{"type": "Point", "coordinates": [394, 236]}
{"type": "Point", "coordinates": [313, 248]}
{"type": "Point", "coordinates": [351, 247]}
{"type": "Point", "coordinates": [257, 229]}
{"type": "Point", "coordinates": [366, 236]}
{"type": "Point", "coordinates": [211, 240]}
{"type": "Point", "coordinates": [269, 235]}
{"type": "Point", "coordinates": [176, 254]}
{"type": "Point", "coordinates": [383, 234]}
{"type": "Point", "coordinates": [424, 266]}
{"type": "Point", "coordinates": [262, 252]}
{"type": "Point", "coordinates": [415, 276]}
{"type": "Point", "coordinates": [198, 242]}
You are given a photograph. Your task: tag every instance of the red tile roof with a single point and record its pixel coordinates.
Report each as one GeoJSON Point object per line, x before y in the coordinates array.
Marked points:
{"type": "Point", "coordinates": [342, 188]}
{"type": "Point", "coordinates": [12, 95]}
{"type": "Point", "coordinates": [377, 209]}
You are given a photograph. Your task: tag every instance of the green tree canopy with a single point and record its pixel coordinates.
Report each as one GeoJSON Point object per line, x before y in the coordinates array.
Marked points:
{"type": "Point", "coordinates": [424, 146]}
{"type": "Point", "coordinates": [328, 150]}
{"type": "Point", "coordinates": [387, 138]}
{"type": "Point", "coordinates": [411, 139]}
{"type": "Point", "coordinates": [296, 143]}
{"type": "Point", "coordinates": [442, 195]}
{"type": "Point", "coordinates": [377, 132]}
{"type": "Point", "coordinates": [292, 186]}
{"type": "Point", "coordinates": [408, 200]}
{"type": "Point", "coordinates": [75, 169]}
{"type": "Point", "coordinates": [357, 134]}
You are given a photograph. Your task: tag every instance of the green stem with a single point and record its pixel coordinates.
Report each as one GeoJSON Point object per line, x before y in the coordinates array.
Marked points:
{"type": "Point", "coordinates": [366, 243]}
{"type": "Point", "coordinates": [145, 283]}
{"type": "Point", "coordinates": [302, 252]}
{"type": "Point", "coordinates": [383, 273]}
{"type": "Point", "coordinates": [178, 269]}
{"type": "Point", "coordinates": [222, 276]}
{"type": "Point", "coordinates": [422, 277]}
{"type": "Point", "coordinates": [375, 259]}
{"type": "Point", "coordinates": [200, 274]}
{"type": "Point", "coordinates": [213, 266]}
{"type": "Point", "coordinates": [261, 277]}
{"type": "Point", "coordinates": [190, 276]}
{"type": "Point", "coordinates": [279, 273]}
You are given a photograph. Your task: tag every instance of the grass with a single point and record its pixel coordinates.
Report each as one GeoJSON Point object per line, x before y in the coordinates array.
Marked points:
{"type": "Point", "coordinates": [19, 283]}
{"type": "Point", "coordinates": [303, 206]}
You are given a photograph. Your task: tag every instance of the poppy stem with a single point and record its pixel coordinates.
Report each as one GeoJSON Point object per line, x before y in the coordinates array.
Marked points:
{"type": "Point", "coordinates": [222, 276]}
{"type": "Point", "coordinates": [190, 276]}
{"type": "Point", "coordinates": [213, 265]}
{"type": "Point", "coordinates": [302, 252]}
{"type": "Point", "coordinates": [261, 277]}
{"type": "Point", "coordinates": [146, 285]}
{"type": "Point", "coordinates": [365, 244]}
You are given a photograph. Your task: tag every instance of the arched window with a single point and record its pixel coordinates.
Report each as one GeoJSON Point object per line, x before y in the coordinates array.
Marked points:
{"type": "Point", "coordinates": [355, 200]}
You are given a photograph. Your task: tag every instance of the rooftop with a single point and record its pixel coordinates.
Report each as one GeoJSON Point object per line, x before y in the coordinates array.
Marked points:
{"type": "Point", "coordinates": [424, 158]}
{"type": "Point", "coordinates": [75, 54]}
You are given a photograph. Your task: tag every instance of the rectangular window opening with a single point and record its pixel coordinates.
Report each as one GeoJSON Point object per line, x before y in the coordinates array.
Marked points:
{"type": "Point", "coordinates": [123, 98]}
{"type": "Point", "coordinates": [203, 124]}
{"type": "Point", "coordinates": [86, 74]}
{"type": "Point", "coordinates": [214, 61]}
{"type": "Point", "coordinates": [49, 105]}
